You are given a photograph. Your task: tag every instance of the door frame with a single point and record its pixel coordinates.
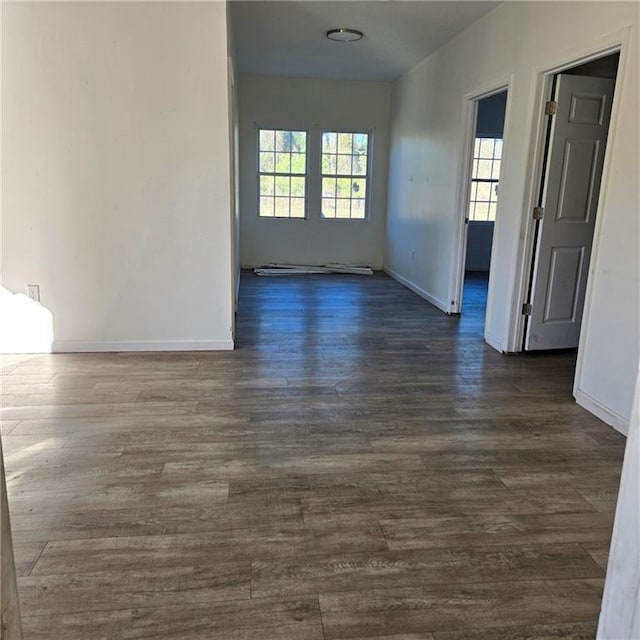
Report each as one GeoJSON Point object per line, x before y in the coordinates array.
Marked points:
{"type": "Point", "coordinates": [541, 82]}
{"type": "Point", "coordinates": [470, 117]}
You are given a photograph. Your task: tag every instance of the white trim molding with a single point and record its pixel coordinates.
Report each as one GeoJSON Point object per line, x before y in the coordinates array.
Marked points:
{"type": "Point", "coordinates": [494, 341]}
{"type": "Point", "coordinates": [89, 346]}
{"type": "Point", "coordinates": [443, 306]}
{"type": "Point", "coordinates": [611, 417]}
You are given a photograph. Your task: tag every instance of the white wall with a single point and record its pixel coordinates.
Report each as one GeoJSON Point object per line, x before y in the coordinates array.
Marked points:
{"type": "Point", "coordinates": [516, 41]}
{"type": "Point", "coordinates": [10, 625]}
{"type": "Point", "coordinates": [620, 615]}
{"type": "Point", "coordinates": [314, 105]}
{"type": "Point", "coordinates": [234, 156]}
{"type": "Point", "coordinates": [116, 171]}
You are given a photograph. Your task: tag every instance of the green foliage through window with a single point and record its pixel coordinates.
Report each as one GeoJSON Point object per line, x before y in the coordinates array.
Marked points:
{"type": "Point", "coordinates": [344, 175]}
{"type": "Point", "coordinates": [282, 157]}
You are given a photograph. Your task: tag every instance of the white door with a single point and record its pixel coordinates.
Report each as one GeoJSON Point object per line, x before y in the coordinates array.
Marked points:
{"type": "Point", "coordinates": [570, 199]}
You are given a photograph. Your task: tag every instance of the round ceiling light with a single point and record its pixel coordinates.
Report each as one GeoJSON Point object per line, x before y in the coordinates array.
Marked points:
{"type": "Point", "coordinates": [344, 35]}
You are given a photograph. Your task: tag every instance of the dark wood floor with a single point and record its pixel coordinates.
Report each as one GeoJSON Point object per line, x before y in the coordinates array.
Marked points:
{"type": "Point", "coordinates": [362, 466]}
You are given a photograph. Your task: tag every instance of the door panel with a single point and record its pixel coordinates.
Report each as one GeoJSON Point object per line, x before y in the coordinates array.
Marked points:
{"type": "Point", "coordinates": [575, 196]}
{"type": "Point", "coordinates": [564, 275]}
{"type": "Point", "coordinates": [570, 199]}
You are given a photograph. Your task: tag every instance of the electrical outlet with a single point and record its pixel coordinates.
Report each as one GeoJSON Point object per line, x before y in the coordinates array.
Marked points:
{"type": "Point", "coordinates": [33, 292]}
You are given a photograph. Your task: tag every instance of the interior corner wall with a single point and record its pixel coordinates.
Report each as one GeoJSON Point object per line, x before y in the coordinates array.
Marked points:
{"type": "Point", "coordinates": [116, 186]}
{"type": "Point", "coordinates": [620, 613]}
{"type": "Point", "coordinates": [313, 105]}
{"type": "Point", "coordinates": [234, 149]}
{"type": "Point", "coordinates": [515, 42]}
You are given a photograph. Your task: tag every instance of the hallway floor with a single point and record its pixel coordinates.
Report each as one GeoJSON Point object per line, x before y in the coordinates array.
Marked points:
{"type": "Point", "coordinates": [362, 466]}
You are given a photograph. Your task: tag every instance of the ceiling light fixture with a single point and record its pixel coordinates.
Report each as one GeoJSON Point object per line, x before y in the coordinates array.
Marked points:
{"type": "Point", "coordinates": [344, 35]}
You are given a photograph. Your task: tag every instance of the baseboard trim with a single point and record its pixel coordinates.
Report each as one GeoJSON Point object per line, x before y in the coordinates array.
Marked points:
{"type": "Point", "coordinates": [612, 418]}
{"type": "Point", "coordinates": [88, 346]}
{"type": "Point", "coordinates": [494, 341]}
{"type": "Point", "coordinates": [417, 290]}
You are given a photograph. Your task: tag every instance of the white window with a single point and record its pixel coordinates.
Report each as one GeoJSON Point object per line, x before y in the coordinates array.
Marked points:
{"type": "Point", "coordinates": [485, 175]}
{"type": "Point", "coordinates": [344, 175]}
{"type": "Point", "coordinates": [282, 175]}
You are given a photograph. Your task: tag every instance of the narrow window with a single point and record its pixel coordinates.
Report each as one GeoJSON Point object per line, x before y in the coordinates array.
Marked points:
{"type": "Point", "coordinates": [345, 170]}
{"type": "Point", "coordinates": [485, 175]}
{"type": "Point", "coordinates": [282, 173]}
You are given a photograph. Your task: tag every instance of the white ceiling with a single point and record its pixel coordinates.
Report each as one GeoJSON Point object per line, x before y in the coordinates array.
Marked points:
{"type": "Point", "coordinates": [288, 38]}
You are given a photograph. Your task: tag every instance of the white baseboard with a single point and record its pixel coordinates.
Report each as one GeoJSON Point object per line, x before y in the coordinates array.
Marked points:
{"type": "Point", "coordinates": [87, 346]}
{"type": "Point", "coordinates": [443, 306]}
{"type": "Point", "coordinates": [494, 341]}
{"type": "Point", "coordinates": [611, 417]}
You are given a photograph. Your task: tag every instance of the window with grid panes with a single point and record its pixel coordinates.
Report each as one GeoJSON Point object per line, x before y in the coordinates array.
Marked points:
{"type": "Point", "coordinates": [344, 175]}
{"type": "Point", "coordinates": [282, 173]}
{"type": "Point", "coordinates": [485, 174]}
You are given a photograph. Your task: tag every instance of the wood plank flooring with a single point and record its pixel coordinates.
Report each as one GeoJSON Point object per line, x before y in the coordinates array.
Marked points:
{"type": "Point", "coordinates": [362, 466]}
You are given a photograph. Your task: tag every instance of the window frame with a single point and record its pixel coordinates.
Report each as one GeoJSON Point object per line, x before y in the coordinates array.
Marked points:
{"type": "Point", "coordinates": [260, 173]}
{"type": "Point", "coordinates": [367, 176]}
{"type": "Point", "coordinates": [493, 197]}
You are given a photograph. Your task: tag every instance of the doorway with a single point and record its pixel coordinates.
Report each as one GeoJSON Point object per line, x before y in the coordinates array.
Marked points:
{"type": "Point", "coordinates": [482, 202]}
{"type": "Point", "coordinates": [578, 115]}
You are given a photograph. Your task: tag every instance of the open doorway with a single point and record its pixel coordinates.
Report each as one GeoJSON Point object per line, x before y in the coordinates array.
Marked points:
{"type": "Point", "coordinates": [579, 112]}
{"type": "Point", "coordinates": [486, 158]}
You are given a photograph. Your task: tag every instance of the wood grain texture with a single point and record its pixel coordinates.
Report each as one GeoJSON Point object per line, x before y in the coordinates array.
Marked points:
{"type": "Point", "coordinates": [361, 467]}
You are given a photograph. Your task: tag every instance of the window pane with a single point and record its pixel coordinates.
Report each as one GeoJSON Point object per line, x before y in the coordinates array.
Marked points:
{"type": "Point", "coordinates": [329, 142]}
{"type": "Point", "coordinates": [267, 140]}
{"type": "Point", "coordinates": [498, 149]}
{"type": "Point", "coordinates": [328, 187]}
{"type": "Point", "coordinates": [486, 148]}
{"type": "Point", "coordinates": [357, 209]}
{"type": "Point", "coordinates": [297, 187]}
{"type": "Point", "coordinates": [329, 164]}
{"type": "Point", "coordinates": [359, 165]}
{"type": "Point", "coordinates": [495, 174]}
{"type": "Point", "coordinates": [328, 208]}
{"type": "Point", "coordinates": [476, 148]}
{"type": "Point", "coordinates": [283, 140]}
{"type": "Point", "coordinates": [344, 165]}
{"type": "Point", "coordinates": [267, 162]}
{"type": "Point", "coordinates": [482, 210]}
{"type": "Point", "coordinates": [282, 207]}
{"type": "Point", "coordinates": [282, 185]}
{"type": "Point", "coordinates": [359, 188]}
{"type": "Point", "coordinates": [484, 168]}
{"type": "Point", "coordinates": [474, 169]}
{"type": "Point", "coordinates": [298, 163]}
{"type": "Point", "coordinates": [299, 141]}
{"type": "Point", "coordinates": [297, 207]}
{"type": "Point", "coordinates": [283, 163]}
{"type": "Point", "coordinates": [266, 185]}
{"type": "Point", "coordinates": [344, 188]}
{"type": "Point", "coordinates": [343, 208]}
{"type": "Point", "coordinates": [345, 143]}
{"type": "Point", "coordinates": [266, 206]}
{"type": "Point", "coordinates": [492, 211]}
{"type": "Point", "coordinates": [360, 143]}
{"type": "Point", "coordinates": [484, 191]}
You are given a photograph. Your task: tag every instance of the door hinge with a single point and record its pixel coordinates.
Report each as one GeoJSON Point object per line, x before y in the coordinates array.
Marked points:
{"type": "Point", "coordinates": [538, 212]}
{"type": "Point", "coordinates": [526, 309]}
{"type": "Point", "coordinates": [551, 108]}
